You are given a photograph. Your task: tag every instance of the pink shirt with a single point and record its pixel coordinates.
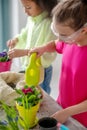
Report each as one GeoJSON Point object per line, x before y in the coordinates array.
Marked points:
{"type": "Point", "coordinates": [73, 79]}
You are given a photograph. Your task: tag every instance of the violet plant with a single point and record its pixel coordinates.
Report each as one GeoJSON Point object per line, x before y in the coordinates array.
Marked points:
{"type": "Point", "coordinates": [4, 56]}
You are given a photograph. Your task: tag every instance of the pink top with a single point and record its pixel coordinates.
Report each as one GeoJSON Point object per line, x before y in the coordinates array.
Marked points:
{"type": "Point", "coordinates": [73, 79]}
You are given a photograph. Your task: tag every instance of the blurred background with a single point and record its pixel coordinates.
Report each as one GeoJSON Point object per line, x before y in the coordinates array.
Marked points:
{"type": "Point", "coordinates": [12, 20]}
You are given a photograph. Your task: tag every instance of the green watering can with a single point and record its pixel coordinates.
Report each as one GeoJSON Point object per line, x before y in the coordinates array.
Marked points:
{"type": "Point", "coordinates": [32, 72]}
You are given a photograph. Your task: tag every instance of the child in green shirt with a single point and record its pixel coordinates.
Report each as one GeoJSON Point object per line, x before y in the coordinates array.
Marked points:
{"type": "Point", "coordinates": [36, 33]}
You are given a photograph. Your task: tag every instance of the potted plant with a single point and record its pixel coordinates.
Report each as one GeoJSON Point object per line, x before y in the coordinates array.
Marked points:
{"type": "Point", "coordinates": [5, 62]}
{"type": "Point", "coordinates": [27, 105]}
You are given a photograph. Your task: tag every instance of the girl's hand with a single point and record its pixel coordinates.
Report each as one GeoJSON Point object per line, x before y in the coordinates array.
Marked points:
{"type": "Point", "coordinates": [49, 47]}
{"type": "Point", "coordinates": [61, 116]}
{"type": "Point", "coordinates": [38, 50]}
{"type": "Point", "coordinates": [13, 53]}
{"type": "Point", "coordinates": [64, 114]}
{"type": "Point", "coordinates": [11, 43]}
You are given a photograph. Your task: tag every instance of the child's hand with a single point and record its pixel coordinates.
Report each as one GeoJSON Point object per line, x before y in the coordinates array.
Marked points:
{"type": "Point", "coordinates": [13, 53]}
{"type": "Point", "coordinates": [38, 50]}
{"type": "Point", "coordinates": [11, 43]}
{"type": "Point", "coordinates": [61, 116]}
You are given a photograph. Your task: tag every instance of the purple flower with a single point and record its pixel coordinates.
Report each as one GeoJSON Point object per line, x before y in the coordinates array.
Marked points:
{"type": "Point", "coordinates": [2, 54]}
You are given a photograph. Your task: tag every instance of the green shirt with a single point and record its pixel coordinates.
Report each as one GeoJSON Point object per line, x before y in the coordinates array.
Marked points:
{"type": "Point", "coordinates": [36, 33]}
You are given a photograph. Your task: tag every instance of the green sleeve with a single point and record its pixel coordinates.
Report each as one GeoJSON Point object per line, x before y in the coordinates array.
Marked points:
{"type": "Point", "coordinates": [22, 37]}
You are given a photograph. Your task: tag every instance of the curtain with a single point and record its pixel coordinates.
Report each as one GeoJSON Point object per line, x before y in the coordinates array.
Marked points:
{"type": "Point", "coordinates": [4, 23]}
{"type": "Point", "coordinates": [12, 19]}
{"type": "Point", "coordinates": [1, 40]}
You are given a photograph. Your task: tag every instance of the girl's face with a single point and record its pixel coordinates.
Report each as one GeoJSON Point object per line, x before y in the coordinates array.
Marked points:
{"type": "Point", "coordinates": [67, 34]}
{"type": "Point", "coordinates": [31, 8]}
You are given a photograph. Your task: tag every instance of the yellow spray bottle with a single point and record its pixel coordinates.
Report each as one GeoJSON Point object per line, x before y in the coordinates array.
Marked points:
{"type": "Point", "coordinates": [32, 72]}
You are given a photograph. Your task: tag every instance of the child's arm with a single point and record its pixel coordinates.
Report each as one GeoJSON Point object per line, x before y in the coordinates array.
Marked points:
{"type": "Point", "coordinates": [64, 114]}
{"type": "Point", "coordinates": [50, 47]}
{"type": "Point", "coordinates": [19, 40]}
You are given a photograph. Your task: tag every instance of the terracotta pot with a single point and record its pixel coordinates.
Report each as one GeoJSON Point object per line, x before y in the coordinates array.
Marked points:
{"type": "Point", "coordinates": [29, 116]}
{"type": "Point", "coordinates": [5, 66]}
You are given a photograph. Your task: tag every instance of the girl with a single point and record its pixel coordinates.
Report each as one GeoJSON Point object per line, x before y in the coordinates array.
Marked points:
{"type": "Point", "coordinates": [36, 33]}
{"type": "Point", "coordinates": [70, 26]}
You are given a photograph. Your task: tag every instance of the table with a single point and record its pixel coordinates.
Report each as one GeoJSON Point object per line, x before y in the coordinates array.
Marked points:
{"type": "Point", "coordinates": [49, 106]}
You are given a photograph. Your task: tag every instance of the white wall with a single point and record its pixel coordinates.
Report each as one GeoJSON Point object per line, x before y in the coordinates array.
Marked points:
{"type": "Point", "coordinates": [18, 17]}
{"type": "Point", "coordinates": [22, 17]}
{"type": "Point", "coordinates": [55, 77]}
{"type": "Point", "coordinates": [14, 17]}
